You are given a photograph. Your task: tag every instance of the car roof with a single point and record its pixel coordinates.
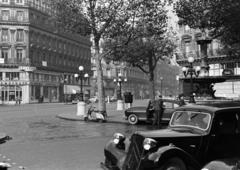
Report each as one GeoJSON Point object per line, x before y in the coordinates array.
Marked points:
{"type": "Point", "coordinates": [211, 107]}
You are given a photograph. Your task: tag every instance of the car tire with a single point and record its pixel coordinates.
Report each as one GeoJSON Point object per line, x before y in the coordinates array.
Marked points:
{"type": "Point", "coordinates": [173, 164]}
{"type": "Point", "coordinates": [133, 119]}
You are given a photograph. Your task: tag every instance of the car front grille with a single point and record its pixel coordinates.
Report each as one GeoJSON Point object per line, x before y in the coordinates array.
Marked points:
{"type": "Point", "coordinates": [134, 154]}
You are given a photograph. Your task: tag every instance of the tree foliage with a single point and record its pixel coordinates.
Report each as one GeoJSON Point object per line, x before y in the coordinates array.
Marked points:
{"type": "Point", "coordinates": [98, 18]}
{"type": "Point", "coordinates": [219, 17]}
{"type": "Point", "coordinates": [144, 40]}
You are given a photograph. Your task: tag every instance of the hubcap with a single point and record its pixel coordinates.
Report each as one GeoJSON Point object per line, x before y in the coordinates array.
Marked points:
{"type": "Point", "coordinates": [133, 119]}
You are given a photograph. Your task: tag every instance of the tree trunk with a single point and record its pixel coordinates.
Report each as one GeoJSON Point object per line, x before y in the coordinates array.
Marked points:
{"type": "Point", "coordinates": [151, 79]}
{"type": "Point", "coordinates": [101, 100]}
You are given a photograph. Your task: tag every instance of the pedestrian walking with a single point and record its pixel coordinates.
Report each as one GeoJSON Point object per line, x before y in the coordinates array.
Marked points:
{"type": "Point", "coordinates": [18, 101]}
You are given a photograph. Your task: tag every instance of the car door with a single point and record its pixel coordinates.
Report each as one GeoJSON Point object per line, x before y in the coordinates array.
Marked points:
{"type": "Point", "coordinates": [224, 137]}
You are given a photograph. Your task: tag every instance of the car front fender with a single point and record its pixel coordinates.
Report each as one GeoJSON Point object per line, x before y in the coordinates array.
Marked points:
{"type": "Point", "coordinates": [115, 153]}
{"type": "Point", "coordinates": [164, 153]}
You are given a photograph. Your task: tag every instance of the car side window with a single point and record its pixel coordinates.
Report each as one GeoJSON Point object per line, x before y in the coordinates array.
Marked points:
{"type": "Point", "coordinates": [168, 105]}
{"type": "Point", "coordinates": [175, 105]}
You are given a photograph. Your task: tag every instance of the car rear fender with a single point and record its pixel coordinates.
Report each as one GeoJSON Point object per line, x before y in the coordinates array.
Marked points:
{"type": "Point", "coordinates": [166, 152]}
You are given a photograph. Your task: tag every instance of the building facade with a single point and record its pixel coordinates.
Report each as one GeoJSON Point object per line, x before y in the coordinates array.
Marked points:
{"type": "Point", "coordinates": [166, 80]}
{"type": "Point", "coordinates": [137, 81]}
{"type": "Point", "coordinates": [38, 59]}
{"type": "Point", "coordinates": [224, 69]}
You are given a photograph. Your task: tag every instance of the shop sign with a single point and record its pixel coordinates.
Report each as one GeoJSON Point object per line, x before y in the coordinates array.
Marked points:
{"type": "Point", "coordinates": [26, 68]}
{"type": "Point", "coordinates": [227, 72]}
{"type": "Point", "coordinates": [44, 63]}
{"type": "Point", "coordinates": [1, 60]}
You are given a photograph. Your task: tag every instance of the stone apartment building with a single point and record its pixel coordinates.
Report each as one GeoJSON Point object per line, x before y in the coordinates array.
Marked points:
{"type": "Point", "coordinates": [224, 70]}
{"type": "Point", "coordinates": [37, 59]}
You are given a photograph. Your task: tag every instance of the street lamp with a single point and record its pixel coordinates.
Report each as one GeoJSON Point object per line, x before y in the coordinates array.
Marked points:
{"type": "Point", "coordinates": [81, 104]}
{"type": "Point", "coordinates": [190, 70]}
{"type": "Point", "coordinates": [81, 76]}
{"type": "Point", "coordinates": [119, 80]}
{"type": "Point", "coordinates": [161, 79]}
{"type": "Point", "coordinates": [63, 81]}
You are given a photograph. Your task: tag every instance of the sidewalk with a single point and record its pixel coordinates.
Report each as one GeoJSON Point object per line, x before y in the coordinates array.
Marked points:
{"type": "Point", "coordinates": [114, 116]}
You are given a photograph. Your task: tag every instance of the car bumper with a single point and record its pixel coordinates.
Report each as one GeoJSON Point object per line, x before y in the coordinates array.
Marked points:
{"type": "Point", "coordinates": [106, 167]}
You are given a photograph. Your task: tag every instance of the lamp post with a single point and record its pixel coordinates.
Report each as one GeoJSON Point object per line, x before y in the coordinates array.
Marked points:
{"type": "Point", "coordinates": [81, 104]}
{"type": "Point", "coordinates": [161, 79]}
{"type": "Point", "coordinates": [119, 80]}
{"type": "Point", "coordinates": [63, 81]}
{"type": "Point", "coordinates": [190, 70]}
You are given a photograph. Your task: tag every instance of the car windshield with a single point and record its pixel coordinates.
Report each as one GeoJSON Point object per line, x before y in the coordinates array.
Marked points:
{"type": "Point", "coordinates": [192, 119]}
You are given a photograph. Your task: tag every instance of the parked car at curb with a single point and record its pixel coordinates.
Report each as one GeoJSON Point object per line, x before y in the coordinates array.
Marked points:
{"type": "Point", "coordinates": [138, 114]}
{"type": "Point", "coordinates": [223, 164]}
{"type": "Point", "coordinates": [196, 135]}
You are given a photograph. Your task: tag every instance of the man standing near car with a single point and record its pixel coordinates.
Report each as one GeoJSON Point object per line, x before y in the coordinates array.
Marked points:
{"type": "Point", "coordinates": [158, 112]}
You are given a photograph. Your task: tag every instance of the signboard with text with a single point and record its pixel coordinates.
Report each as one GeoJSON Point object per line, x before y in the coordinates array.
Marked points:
{"type": "Point", "coordinates": [227, 72]}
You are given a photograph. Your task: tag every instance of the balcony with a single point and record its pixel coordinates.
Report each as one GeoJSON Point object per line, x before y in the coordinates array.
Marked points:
{"type": "Point", "coordinates": [14, 61]}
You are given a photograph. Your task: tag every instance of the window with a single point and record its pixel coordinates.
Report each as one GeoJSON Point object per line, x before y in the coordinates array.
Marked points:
{"type": "Point", "coordinates": [4, 55]}
{"type": "Point", "coordinates": [5, 1]}
{"type": "Point", "coordinates": [12, 75]}
{"type": "Point", "coordinates": [187, 47]}
{"type": "Point", "coordinates": [215, 70]}
{"type": "Point", "coordinates": [19, 15]}
{"type": "Point", "coordinates": [0, 75]}
{"type": "Point", "coordinates": [19, 55]}
{"type": "Point", "coordinates": [20, 35]}
{"type": "Point", "coordinates": [19, 1]}
{"type": "Point", "coordinates": [5, 35]}
{"type": "Point", "coordinates": [5, 14]}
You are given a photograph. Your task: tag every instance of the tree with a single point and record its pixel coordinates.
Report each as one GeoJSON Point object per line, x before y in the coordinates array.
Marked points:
{"type": "Point", "coordinates": [96, 18]}
{"type": "Point", "coordinates": [219, 17]}
{"type": "Point", "coordinates": [143, 41]}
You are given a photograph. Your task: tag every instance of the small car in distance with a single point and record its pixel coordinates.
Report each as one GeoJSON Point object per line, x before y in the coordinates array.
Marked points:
{"type": "Point", "coordinates": [139, 113]}
{"type": "Point", "coordinates": [196, 135]}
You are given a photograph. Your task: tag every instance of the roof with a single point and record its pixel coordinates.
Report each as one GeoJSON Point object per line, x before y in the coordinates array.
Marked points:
{"type": "Point", "coordinates": [211, 107]}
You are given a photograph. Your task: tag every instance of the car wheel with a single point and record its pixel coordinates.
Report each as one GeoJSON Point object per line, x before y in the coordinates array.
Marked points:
{"type": "Point", "coordinates": [174, 164]}
{"type": "Point", "coordinates": [132, 119]}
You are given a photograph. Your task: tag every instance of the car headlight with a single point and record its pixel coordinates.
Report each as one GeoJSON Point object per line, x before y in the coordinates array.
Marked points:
{"type": "Point", "coordinates": [205, 169]}
{"type": "Point", "coordinates": [118, 138]}
{"type": "Point", "coordinates": [149, 143]}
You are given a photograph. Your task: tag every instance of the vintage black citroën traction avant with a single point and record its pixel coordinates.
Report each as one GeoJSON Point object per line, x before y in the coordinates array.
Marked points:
{"type": "Point", "coordinates": [196, 135]}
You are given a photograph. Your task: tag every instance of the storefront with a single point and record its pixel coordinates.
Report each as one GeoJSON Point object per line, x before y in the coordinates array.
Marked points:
{"type": "Point", "coordinates": [11, 91]}
{"type": "Point", "coordinates": [44, 93]}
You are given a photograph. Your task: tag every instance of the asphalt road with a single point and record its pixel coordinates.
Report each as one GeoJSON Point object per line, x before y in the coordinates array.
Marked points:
{"type": "Point", "coordinates": [41, 141]}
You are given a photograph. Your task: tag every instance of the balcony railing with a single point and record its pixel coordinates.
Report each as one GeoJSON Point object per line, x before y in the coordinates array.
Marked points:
{"type": "Point", "coordinates": [15, 61]}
